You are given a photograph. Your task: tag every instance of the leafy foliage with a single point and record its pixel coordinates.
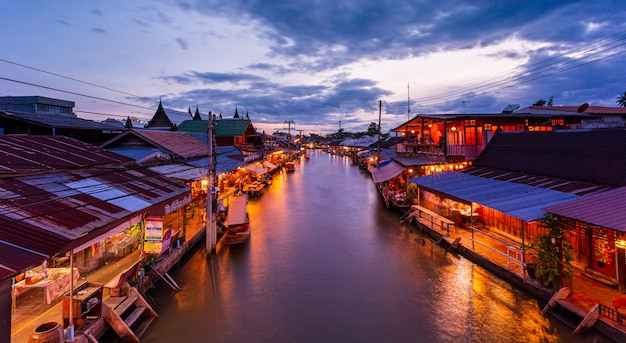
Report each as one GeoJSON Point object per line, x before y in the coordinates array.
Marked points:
{"type": "Point", "coordinates": [553, 264]}
{"type": "Point", "coordinates": [621, 100]}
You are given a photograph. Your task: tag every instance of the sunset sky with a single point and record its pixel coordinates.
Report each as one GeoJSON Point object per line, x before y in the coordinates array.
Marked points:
{"type": "Point", "coordinates": [320, 64]}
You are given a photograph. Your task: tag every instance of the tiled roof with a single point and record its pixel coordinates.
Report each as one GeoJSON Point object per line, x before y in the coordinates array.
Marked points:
{"type": "Point", "coordinates": [232, 127]}
{"type": "Point", "coordinates": [193, 126]}
{"type": "Point", "coordinates": [590, 110]}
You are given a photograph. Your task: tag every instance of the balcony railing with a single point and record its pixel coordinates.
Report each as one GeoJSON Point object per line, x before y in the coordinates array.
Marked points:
{"type": "Point", "coordinates": [408, 149]}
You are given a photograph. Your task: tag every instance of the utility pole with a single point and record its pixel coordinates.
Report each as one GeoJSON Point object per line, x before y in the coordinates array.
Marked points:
{"type": "Point", "coordinates": [289, 122]}
{"type": "Point", "coordinates": [211, 228]}
{"type": "Point", "coordinates": [380, 111]}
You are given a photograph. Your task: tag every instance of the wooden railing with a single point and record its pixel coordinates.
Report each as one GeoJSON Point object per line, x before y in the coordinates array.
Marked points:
{"type": "Point", "coordinates": [420, 149]}
{"type": "Point", "coordinates": [612, 314]}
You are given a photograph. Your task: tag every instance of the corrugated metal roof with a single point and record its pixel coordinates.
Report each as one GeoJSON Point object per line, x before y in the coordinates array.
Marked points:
{"type": "Point", "coordinates": [594, 156]}
{"type": "Point", "coordinates": [59, 121]}
{"type": "Point", "coordinates": [46, 214]}
{"type": "Point", "coordinates": [606, 209]}
{"type": "Point", "coordinates": [22, 154]}
{"type": "Point", "coordinates": [556, 184]}
{"type": "Point", "coordinates": [181, 171]}
{"type": "Point", "coordinates": [179, 144]}
{"type": "Point", "coordinates": [518, 200]}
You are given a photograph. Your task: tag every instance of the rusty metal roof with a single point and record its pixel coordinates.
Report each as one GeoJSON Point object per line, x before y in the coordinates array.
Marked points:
{"type": "Point", "coordinates": [606, 209]}
{"type": "Point", "coordinates": [50, 213]}
{"type": "Point", "coordinates": [28, 154]}
{"type": "Point", "coordinates": [179, 144]}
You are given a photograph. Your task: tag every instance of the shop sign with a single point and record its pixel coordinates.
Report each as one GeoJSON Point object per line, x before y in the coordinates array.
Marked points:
{"type": "Point", "coordinates": [154, 235]}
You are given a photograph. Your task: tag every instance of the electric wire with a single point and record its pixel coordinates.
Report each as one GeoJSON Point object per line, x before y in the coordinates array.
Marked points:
{"type": "Point", "coordinates": [533, 68]}
{"type": "Point", "coordinates": [68, 78]}
{"type": "Point", "coordinates": [75, 93]}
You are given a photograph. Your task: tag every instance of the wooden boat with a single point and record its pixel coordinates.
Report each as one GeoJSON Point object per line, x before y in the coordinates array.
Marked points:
{"type": "Point", "coordinates": [237, 221]}
{"type": "Point", "coordinates": [290, 166]}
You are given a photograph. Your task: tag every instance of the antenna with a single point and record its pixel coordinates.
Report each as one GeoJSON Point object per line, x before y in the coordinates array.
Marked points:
{"type": "Point", "coordinates": [465, 102]}
{"type": "Point", "coordinates": [408, 102]}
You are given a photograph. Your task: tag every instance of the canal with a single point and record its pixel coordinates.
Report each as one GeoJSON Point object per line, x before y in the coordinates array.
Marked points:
{"type": "Point", "coordinates": [328, 262]}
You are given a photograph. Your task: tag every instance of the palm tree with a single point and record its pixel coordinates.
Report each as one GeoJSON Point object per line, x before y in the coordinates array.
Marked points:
{"type": "Point", "coordinates": [621, 100]}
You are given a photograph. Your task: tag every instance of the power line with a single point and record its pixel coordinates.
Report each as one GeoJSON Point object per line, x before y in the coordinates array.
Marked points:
{"type": "Point", "coordinates": [67, 77]}
{"type": "Point", "coordinates": [531, 73]}
{"type": "Point", "coordinates": [74, 93]}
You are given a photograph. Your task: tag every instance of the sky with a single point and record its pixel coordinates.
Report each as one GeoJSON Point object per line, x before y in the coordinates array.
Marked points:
{"type": "Point", "coordinates": [313, 65]}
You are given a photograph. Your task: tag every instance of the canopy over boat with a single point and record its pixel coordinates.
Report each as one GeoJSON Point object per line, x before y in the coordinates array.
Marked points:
{"type": "Point", "coordinates": [237, 210]}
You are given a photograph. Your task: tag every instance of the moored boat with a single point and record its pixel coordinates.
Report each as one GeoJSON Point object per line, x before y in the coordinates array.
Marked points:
{"type": "Point", "coordinates": [290, 166]}
{"type": "Point", "coordinates": [237, 221]}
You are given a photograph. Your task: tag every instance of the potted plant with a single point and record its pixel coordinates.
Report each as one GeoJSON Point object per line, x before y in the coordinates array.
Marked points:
{"type": "Point", "coordinates": [554, 253]}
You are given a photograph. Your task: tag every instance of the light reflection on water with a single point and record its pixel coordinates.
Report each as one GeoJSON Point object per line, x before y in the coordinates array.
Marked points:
{"type": "Point", "coordinates": [327, 262]}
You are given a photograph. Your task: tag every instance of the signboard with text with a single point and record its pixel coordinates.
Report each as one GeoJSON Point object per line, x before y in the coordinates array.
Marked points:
{"type": "Point", "coordinates": [153, 239]}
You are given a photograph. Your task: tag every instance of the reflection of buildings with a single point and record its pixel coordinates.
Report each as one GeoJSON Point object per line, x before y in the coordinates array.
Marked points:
{"type": "Point", "coordinates": [520, 175]}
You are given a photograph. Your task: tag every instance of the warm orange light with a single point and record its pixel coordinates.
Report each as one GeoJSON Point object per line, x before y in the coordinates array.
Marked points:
{"type": "Point", "coordinates": [453, 128]}
{"type": "Point", "coordinates": [411, 171]}
{"type": "Point", "coordinates": [430, 125]}
{"type": "Point", "coordinates": [412, 131]}
{"type": "Point", "coordinates": [621, 244]}
{"type": "Point", "coordinates": [432, 168]}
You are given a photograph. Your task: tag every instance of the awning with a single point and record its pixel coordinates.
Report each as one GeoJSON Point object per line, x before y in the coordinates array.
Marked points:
{"type": "Point", "coordinates": [515, 199]}
{"type": "Point", "coordinates": [386, 172]}
{"type": "Point", "coordinates": [270, 165]}
{"type": "Point", "coordinates": [182, 171]}
{"type": "Point", "coordinates": [237, 210]}
{"type": "Point", "coordinates": [44, 215]}
{"type": "Point", "coordinates": [257, 169]}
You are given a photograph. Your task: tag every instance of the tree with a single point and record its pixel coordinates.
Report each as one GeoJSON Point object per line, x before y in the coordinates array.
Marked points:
{"type": "Point", "coordinates": [539, 102]}
{"type": "Point", "coordinates": [554, 252]}
{"type": "Point", "coordinates": [550, 100]}
{"type": "Point", "coordinates": [372, 130]}
{"type": "Point", "coordinates": [621, 100]}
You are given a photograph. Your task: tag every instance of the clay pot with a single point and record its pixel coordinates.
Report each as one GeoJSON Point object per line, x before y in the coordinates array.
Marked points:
{"type": "Point", "coordinates": [50, 332]}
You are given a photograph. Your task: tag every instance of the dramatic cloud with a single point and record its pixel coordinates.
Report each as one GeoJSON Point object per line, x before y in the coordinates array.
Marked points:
{"type": "Point", "coordinates": [321, 62]}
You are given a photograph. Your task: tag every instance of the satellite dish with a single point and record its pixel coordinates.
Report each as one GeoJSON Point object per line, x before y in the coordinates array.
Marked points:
{"type": "Point", "coordinates": [582, 108]}
{"type": "Point", "coordinates": [510, 108]}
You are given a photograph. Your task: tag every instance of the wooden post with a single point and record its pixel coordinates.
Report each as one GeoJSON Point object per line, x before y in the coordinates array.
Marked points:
{"type": "Point", "coordinates": [621, 269]}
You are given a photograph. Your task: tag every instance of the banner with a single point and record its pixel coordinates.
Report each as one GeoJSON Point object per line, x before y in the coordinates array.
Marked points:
{"type": "Point", "coordinates": [153, 238]}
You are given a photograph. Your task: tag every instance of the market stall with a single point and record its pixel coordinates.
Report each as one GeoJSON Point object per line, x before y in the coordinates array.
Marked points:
{"type": "Point", "coordinates": [54, 281]}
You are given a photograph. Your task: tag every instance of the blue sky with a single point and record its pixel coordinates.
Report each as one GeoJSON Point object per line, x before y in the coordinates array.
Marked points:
{"type": "Point", "coordinates": [321, 64]}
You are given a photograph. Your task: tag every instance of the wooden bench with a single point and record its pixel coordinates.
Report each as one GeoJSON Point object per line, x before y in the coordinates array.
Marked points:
{"type": "Point", "coordinates": [115, 285]}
